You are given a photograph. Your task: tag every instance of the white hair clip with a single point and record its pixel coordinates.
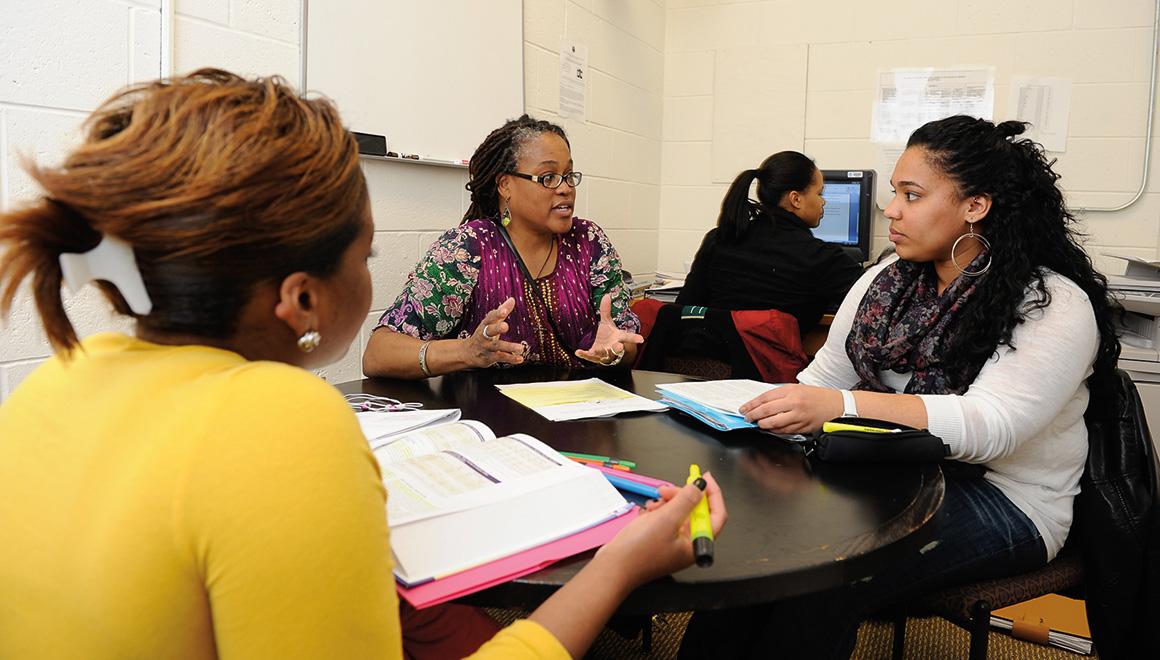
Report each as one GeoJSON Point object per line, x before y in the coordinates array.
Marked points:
{"type": "Point", "coordinates": [113, 261]}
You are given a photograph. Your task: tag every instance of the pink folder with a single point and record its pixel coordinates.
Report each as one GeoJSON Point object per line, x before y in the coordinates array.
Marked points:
{"type": "Point", "coordinates": [517, 565]}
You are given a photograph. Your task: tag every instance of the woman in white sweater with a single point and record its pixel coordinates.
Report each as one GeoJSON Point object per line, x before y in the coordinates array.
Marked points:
{"type": "Point", "coordinates": [992, 329]}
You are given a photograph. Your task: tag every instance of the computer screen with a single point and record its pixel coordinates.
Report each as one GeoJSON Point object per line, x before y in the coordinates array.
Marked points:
{"type": "Point", "coordinates": [849, 210]}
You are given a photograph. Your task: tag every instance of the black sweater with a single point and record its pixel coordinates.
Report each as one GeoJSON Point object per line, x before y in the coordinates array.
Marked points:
{"type": "Point", "coordinates": [777, 264]}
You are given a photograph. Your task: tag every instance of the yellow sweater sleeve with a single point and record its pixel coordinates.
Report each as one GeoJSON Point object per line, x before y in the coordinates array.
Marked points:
{"type": "Point", "coordinates": [283, 513]}
{"type": "Point", "coordinates": [522, 639]}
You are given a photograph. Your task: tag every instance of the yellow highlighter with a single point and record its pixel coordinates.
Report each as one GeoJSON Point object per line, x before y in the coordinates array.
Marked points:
{"type": "Point", "coordinates": [830, 427]}
{"type": "Point", "coordinates": [700, 527]}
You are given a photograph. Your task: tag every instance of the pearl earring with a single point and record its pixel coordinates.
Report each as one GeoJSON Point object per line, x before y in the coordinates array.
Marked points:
{"type": "Point", "coordinates": [309, 341]}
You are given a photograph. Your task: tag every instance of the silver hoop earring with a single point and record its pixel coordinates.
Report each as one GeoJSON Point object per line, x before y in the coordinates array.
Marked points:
{"type": "Point", "coordinates": [309, 341]}
{"type": "Point", "coordinates": [982, 241]}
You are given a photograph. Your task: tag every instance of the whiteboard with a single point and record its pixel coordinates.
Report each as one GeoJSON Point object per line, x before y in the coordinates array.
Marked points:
{"type": "Point", "coordinates": [434, 76]}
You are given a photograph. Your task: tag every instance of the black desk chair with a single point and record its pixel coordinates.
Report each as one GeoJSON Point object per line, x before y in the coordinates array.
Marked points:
{"type": "Point", "coordinates": [1121, 463]}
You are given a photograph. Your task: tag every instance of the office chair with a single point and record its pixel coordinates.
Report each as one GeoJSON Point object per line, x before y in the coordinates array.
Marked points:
{"type": "Point", "coordinates": [708, 343]}
{"type": "Point", "coordinates": [969, 606]}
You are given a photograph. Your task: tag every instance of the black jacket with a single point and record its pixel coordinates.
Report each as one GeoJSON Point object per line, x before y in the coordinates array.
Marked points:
{"type": "Point", "coordinates": [778, 264]}
{"type": "Point", "coordinates": [1117, 526]}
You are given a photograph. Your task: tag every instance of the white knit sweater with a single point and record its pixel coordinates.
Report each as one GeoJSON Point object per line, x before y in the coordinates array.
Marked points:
{"type": "Point", "coordinates": [1022, 416]}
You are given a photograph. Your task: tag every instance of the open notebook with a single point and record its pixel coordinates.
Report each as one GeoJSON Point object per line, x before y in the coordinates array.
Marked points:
{"type": "Point", "coordinates": [460, 497]}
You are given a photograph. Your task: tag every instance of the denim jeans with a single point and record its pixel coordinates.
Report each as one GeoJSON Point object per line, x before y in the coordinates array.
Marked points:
{"type": "Point", "coordinates": [977, 534]}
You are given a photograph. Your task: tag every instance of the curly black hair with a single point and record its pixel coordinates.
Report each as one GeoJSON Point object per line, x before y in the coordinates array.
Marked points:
{"type": "Point", "coordinates": [1030, 231]}
{"type": "Point", "coordinates": [498, 155]}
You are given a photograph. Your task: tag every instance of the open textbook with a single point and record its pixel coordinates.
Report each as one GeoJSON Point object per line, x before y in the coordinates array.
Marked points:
{"type": "Point", "coordinates": [459, 497]}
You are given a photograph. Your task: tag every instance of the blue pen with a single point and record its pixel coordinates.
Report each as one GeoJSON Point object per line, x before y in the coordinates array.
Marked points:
{"type": "Point", "coordinates": [632, 486]}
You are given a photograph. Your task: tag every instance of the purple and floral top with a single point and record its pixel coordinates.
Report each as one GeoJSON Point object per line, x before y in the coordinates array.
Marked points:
{"type": "Point", "coordinates": [471, 270]}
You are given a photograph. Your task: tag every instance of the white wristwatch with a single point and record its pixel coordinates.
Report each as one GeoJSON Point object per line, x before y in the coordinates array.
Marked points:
{"type": "Point", "coordinates": [849, 405]}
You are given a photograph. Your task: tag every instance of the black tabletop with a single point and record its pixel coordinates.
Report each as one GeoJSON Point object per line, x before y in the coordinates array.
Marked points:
{"type": "Point", "coordinates": [796, 525]}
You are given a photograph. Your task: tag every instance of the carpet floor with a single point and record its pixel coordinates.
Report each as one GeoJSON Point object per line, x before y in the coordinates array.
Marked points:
{"type": "Point", "coordinates": [925, 638]}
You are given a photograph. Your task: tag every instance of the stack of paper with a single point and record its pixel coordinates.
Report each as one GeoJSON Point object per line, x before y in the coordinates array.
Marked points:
{"type": "Point", "coordinates": [715, 402]}
{"type": "Point", "coordinates": [578, 399]}
{"type": "Point", "coordinates": [378, 426]}
{"type": "Point", "coordinates": [665, 289]}
{"type": "Point", "coordinates": [1050, 619]}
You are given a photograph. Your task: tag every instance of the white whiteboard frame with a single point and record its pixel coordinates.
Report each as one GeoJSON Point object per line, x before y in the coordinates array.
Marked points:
{"type": "Point", "coordinates": [463, 124]}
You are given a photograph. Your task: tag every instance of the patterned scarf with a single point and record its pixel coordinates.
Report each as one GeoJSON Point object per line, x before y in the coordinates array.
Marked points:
{"type": "Point", "coordinates": [904, 324]}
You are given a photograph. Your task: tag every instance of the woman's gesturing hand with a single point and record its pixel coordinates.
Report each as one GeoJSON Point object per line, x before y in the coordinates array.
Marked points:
{"type": "Point", "coordinates": [608, 347]}
{"type": "Point", "coordinates": [484, 348]}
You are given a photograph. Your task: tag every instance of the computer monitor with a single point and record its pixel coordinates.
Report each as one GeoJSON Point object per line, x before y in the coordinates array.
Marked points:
{"type": "Point", "coordinates": [849, 211]}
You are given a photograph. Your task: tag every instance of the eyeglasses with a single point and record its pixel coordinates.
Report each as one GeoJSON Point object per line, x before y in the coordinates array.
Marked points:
{"type": "Point", "coordinates": [552, 180]}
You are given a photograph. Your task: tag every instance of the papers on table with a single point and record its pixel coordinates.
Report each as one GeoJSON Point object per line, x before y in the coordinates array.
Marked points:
{"type": "Point", "coordinates": [715, 402]}
{"type": "Point", "coordinates": [377, 426]}
{"type": "Point", "coordinates": [578, 399]}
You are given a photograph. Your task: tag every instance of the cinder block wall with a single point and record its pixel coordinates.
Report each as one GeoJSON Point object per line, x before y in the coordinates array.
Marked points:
{"type": "Point", "coordinates": [809, 79]}
{"type": "Point", "coordinates": [59, 59]}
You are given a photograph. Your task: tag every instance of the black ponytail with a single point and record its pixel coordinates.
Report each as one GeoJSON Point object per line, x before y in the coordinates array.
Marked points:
{"type": "Point", "coordinates": [736, 209]}
{"type": "Point", "coordinates": [780, 174]}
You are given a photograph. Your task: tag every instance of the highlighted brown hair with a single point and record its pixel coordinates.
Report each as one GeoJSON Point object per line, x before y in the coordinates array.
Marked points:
{"type": "Point", "coordinates": [219, 183]}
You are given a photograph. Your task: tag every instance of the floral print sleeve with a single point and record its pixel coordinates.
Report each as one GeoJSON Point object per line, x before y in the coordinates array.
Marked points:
{"type": "Point", "coordinates": [605, 276]}
{"type": "Point", "coordinates": [435, 296]}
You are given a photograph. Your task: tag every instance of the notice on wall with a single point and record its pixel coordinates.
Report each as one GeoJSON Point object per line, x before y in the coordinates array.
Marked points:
{"type": "Point", "coordinates": [573, 79]}
{"type": "Point", "coordinates": [909, 98]}
{"type": "Point", "coordinates": [1046, 104]}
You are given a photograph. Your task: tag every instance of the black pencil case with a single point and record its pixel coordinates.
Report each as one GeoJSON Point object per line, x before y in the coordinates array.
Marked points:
{"type": "Point", "coordinates": [896, 443]}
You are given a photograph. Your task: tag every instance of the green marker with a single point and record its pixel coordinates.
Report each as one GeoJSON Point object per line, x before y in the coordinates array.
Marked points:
{"type": "Point", "coordinates": [602, 459]}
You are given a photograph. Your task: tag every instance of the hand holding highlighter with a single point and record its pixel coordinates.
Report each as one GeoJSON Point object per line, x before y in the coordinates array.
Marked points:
{"type": "Point", "coordinates": [700, 526]}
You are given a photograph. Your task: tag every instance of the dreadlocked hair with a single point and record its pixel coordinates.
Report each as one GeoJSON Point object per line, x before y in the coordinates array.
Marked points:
{"type": "Point", "coordinates": [1030, 231]}
{"type": "Point", "coordinates": [498, 155]}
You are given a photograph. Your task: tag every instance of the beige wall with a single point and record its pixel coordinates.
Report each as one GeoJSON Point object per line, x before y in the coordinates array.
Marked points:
{"type": "Point", "coordinates": [809, 76]}
{"type": "Point", "coordinates": [62, 62]}
{"type": "Point", "coordinates": [661, 140]}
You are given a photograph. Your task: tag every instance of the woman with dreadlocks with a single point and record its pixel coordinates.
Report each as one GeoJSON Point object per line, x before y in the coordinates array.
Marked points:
{"type": "Point", "coordinates": [992, 329]}
{"type": "Point", "coordinates": [520, 280]}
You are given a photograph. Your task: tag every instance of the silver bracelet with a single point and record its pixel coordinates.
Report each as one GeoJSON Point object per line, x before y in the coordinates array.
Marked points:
{"type": "Point", "coordinates": [423, 358]}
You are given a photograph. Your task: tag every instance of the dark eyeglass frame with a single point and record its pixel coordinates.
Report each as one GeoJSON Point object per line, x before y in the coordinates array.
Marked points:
{"type": "Point", "coordinates": [573, 179]}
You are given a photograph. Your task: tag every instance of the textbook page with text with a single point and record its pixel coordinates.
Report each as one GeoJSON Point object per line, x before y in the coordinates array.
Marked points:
{"type": "Point", "coordinates": [458, 497]}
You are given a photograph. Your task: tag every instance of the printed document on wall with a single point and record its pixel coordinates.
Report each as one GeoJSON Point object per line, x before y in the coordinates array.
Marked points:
{"type": "Point", "coordinates": [1046, 104]}
{"type": "Point", "coordinates": [573, 79]}
{"type": "Point", "coordinates": [908, 98]}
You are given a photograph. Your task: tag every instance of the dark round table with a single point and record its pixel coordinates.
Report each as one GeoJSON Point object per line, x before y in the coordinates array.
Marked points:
{"type": "Point", "coordinates": [796, 525]}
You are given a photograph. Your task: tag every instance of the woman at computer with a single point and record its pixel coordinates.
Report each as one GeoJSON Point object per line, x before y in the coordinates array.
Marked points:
{"type": "Point", "coordinates": [992, 329]}
{"type": "Point", "coordinates": [194, 491]}
{"type": "Point", "coordinates": [762, 254]}
{"type": "Point", "coordinates": [520, 280]}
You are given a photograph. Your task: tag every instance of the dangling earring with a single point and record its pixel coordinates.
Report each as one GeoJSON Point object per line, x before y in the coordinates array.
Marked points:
{"type": "Point", "coordinates": [982, 241]}
{"type": "Point", "coordinates": [309, 341]}
{"type": "Point", "coordinates": [506, 219]}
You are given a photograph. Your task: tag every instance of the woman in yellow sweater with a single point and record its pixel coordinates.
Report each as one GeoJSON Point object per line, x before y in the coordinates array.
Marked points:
{"type": "Point", "coordinates": [193, 491]}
